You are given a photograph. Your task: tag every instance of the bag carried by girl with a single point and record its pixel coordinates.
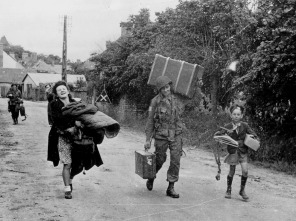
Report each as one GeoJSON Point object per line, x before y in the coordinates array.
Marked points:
{"type": "Point", "coordinates": [83, 143]}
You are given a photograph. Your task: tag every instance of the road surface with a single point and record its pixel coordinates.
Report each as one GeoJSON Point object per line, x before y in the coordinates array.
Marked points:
{"type": "Point", "coordinates": [32, 189]}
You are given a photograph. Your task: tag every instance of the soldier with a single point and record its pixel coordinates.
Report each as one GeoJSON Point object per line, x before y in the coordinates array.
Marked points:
{"type": "Point", "coordinates": [14, 102]}
{"type": "Point", "coordinates": [165, 126]}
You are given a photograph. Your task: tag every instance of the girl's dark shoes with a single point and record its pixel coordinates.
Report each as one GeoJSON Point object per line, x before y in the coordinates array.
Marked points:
{"type": "Point", "coordinates": [149, 184]}
{"type": "Point", "coordinates": [228, 193]}
{"type": "Point", "coordinates": [68, 195]}
{"type": "Point", "coordinates": [242, 190]}
{"type": "Point", "coordinates": [229, 183]}
{"type": "Point", "coordinates": [243, 194]}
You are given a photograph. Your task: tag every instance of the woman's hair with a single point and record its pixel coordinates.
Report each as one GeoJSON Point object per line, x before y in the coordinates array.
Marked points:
{"type": "Point", "coordinates": [59, 83]}
{"type": "Point", "coordinates": [236, 106]}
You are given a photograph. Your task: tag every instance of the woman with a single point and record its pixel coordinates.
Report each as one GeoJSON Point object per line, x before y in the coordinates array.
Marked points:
{"type": "Point", "coordinates": [64, 127]}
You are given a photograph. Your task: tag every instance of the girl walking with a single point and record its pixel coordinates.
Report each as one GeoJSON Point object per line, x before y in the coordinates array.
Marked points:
{"type": "Point", "coordinates": [64, 127]}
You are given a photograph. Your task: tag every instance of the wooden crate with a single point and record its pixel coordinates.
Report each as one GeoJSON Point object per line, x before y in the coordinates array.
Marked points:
{"type": "Point", "coordinates": [145, 164]}
{"type": "Point", "coordinates": [183, 75]}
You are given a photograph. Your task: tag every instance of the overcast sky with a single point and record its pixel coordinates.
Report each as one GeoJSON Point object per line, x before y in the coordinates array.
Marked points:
{"type": "Point", "coordinates": [37, 25]}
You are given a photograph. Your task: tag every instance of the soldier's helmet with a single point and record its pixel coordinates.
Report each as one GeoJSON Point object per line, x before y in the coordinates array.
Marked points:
{"type": "Point", "coordinates": [162, 81]}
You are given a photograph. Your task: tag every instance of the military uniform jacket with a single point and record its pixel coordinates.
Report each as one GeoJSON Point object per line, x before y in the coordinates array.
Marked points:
{"type": "Point", "coordinates": [164, 118]}
{"type": "Point", "coordinates": [16, 97]}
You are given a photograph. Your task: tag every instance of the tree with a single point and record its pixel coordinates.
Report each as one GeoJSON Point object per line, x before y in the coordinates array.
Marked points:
{"type": "Point", "coordinates": [209, 33]}
{"type": "Point", "coordinates": [270, 82]}
{"type": "Point", "coordinates": [204, 32]}
{"type": "Point", "coordinates": [16, 49]}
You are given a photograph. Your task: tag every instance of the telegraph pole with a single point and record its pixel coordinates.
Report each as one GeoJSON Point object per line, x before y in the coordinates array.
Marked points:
{"type": "Point", "coordinates": [64, 64]}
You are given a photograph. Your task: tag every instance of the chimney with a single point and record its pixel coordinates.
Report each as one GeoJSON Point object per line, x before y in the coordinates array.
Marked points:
{"type": "Point", "coordinates": [126, 28]}
{"type": "Point", "coordinates": [1, 55]}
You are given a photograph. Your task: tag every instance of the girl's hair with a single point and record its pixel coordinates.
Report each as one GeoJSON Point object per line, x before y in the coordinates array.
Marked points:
{"type": "Point", "coordinates": [59, 83]}
{"type": "Point", "coordinates": [236, 106]}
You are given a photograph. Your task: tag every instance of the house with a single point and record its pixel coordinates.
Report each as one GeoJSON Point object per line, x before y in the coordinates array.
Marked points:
{"type": "Point", "coordinates": [10, 72]}
{"type": "Point", "coordinates": [8, 61]}
{"type": "Point", "coordinates": [34, 80]}
{"type": "Point", "coordinates": [42, 67]}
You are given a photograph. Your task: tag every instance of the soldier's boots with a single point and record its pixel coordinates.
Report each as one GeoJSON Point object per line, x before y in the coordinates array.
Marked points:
{"type": "Point", "coordinates": [171, 192]}
{"type": "Point", "coordinates": [228, 193]}
{"type": "Point", "coordinates": [243, 194]}
{"type": "Point", "coordinates": [149, 184]}
{"type": "Point", "coordinates": [15, 121]}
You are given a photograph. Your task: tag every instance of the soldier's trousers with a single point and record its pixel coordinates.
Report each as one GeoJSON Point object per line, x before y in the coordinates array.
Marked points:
{"type": "Point", "coordinates": [14, 111]}
{"type": "Point", "coordinates": [161, 147]}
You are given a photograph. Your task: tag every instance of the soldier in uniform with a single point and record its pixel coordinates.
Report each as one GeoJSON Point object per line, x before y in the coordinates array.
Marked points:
{"type": "Point", "coordinates": [14, 102]}
{"type": "Point", "coordinates": [165, 126]}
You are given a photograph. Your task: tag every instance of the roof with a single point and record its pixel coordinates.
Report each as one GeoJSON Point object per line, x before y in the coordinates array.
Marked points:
{"type": "Point", "coordinates": [57, 68]}
{"type": "Point", "coordinates": [45, 78]}
{"type": "Point", "coordinates": [41, 66]}
{"type": "Point", "coordinates": [10, 62]}
{"type": "Point", "coordinates": [9, 75]}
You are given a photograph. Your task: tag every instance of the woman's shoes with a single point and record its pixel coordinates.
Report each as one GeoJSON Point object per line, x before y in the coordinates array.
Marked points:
{"type": "Point", "coordinates": [68, 195]}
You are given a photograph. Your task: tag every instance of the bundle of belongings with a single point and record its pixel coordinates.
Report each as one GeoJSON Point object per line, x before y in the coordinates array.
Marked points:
{"type": "Point", "coordinates": [225, 139]}
{"type": "Point", "coordinates": [90, 128]}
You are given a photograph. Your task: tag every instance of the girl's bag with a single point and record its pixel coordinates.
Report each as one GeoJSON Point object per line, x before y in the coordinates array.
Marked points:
{"type": "Point", "coordinates": [83, 143]}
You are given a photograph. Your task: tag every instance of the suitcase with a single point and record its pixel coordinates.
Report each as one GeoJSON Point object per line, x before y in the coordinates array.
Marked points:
{"type": "Point", "coordinates": [251, 142]}
{"type": "Point", "coordinates": [183, 75]}
{"type": "Point", "coordinates": [145, 164]}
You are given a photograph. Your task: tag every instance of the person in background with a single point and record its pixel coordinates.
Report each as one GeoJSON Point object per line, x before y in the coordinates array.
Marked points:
{"type": "Point", "coordinates": [63, 128]}
{"type": "Point", "coordinates": [237, 130]}
{"type": "Point", "coordinates": [15, 100]}
{"type": "Point", "coordinates": [50, 97]}
{"type": "Point", "coordinates": [165, 126]}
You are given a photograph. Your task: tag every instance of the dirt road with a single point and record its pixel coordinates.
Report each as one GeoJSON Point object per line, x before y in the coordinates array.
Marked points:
{"type": "Point", "coordinates": [32, 189]}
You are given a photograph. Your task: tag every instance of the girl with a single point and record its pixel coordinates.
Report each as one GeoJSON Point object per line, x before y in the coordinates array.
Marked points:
{"type": "Point", "coordinates": [237, 130]}
{"type": "Point", "coordinates": [64, 127]}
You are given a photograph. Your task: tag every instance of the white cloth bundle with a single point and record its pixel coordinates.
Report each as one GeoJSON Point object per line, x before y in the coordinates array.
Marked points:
{"type": "Point", "coordinates": [225, 139]}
